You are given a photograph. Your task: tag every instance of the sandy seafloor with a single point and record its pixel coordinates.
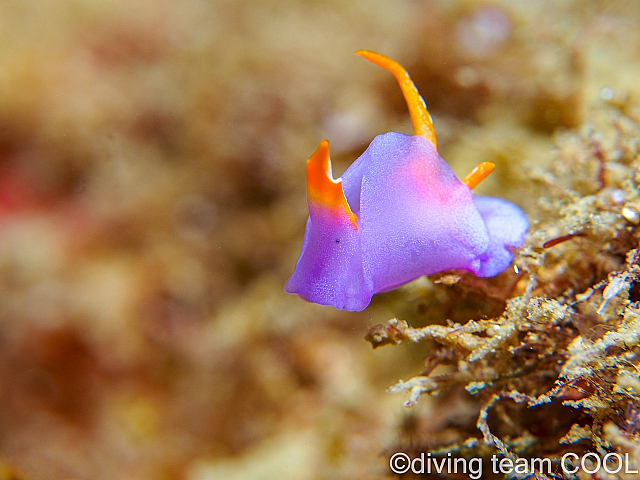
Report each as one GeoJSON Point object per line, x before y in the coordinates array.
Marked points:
{"type": "Point", "coordinates": [152, 205]}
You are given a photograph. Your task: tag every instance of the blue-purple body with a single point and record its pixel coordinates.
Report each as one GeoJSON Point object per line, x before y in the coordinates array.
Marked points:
{"type": "Point", "coordinates": [414, 218]}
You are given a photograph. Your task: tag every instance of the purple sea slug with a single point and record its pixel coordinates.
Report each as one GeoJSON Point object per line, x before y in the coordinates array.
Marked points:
{"type": "Point", "coordinates": [397, 213]}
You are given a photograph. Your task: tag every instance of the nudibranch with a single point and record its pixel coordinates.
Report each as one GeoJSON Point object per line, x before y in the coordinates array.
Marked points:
{"type": "Point", "coordinates": [397, 213]}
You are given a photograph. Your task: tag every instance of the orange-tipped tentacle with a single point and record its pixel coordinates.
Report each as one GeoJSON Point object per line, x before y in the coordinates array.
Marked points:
{"type": "Point", "coordinates": [322, 188]}
{"type": "Point", "coordinates": [479, 173]}
{"type": "Point", "coordinates": [420, 117]}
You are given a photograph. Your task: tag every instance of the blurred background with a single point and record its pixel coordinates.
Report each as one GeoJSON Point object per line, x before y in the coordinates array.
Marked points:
{"type": "Point", "coordinates": [152, 205]}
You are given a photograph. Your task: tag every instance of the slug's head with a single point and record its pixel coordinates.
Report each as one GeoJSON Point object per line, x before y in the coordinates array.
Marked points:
{"type": "Point", "coordinates": [329, 270]}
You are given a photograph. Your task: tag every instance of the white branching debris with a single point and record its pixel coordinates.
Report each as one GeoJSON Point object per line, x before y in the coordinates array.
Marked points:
{"type": "Point", "coordinates": [568, 340]}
